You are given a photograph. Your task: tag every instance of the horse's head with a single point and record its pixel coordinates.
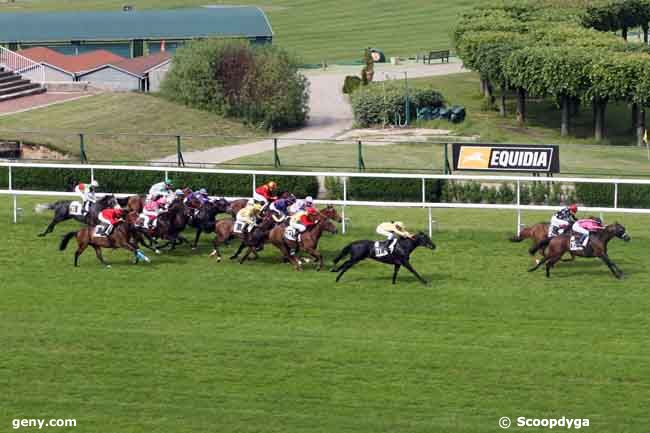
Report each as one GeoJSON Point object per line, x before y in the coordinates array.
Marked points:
{"type": "Point", "coordinates": [619, 231]}
{"type": "Point", "coordinates": [221, 205]}
{"type": "Point", "coordinates": [131, 218]}
{"type": "Point", "coordinates": [423, 240]}
{"type": "Point", "coordinates": [328, 225]}
{"type": "Point", "coordinates": [331, 213]}
{"type": "Point", "coordinates": [108, 200]}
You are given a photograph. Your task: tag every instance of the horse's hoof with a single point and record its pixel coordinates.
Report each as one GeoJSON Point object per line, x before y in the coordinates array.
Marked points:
{"type": "Point", "coordinates": [40, 235]}
{"type": "Point", "coordinates": [108, 266]}
{"type": "Point", "coordinates": [537, 261]}
{"type": "Point", "coordinates": [213, 253]}
{"type": "Point", "coordinates": [218, 259]}
{"type": "Point", "coordinates": [157, 251]}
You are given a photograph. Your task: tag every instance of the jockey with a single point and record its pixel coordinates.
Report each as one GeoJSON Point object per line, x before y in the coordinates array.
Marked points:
{"type": "Point", "coordinates": [177, 195]}
{"type": "Point", "coordinates": [151, 210]}
{"type": "Point", "coordinates": [249, 215]}
{"type": "Point", "coordinates": [393, 231]}
{"type": "Point", "coordinates": [302, 220]}
{"type": "Point", "coordinates": [109, 217]}
{"type": "Point", "coordinates": [164, 188]}
{"type": "Point", "coordinates": [561, 220]}
{"type": "Point", "coordinates": [585, 227]}
{"type": "Point", "coordinates": [87, 193]}
{"type": "Point", "coordinates": [264, 194]}
{"type": "Point", "coordinates": [200, 196]}
{"type": "Point", "coordinates": [280, 208]}
{"type": "Point", "coordinates": [301, 205]}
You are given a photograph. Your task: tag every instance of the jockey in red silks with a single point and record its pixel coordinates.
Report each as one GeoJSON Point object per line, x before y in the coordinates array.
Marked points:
{"type": "Point", "coordinates": [109, 217]}
{"type": "Point", "coordinates": [585, 227]}
{"type": "Point", "coordinates": [265, 193]}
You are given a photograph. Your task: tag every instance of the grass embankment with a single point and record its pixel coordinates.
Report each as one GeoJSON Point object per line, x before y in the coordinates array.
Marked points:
{"type": "Point", "coordinates": [129, 113]}
{"type": "Point", "coordinates": [186, 344]}
{"type": "Point", "coordinates": [328, 30]}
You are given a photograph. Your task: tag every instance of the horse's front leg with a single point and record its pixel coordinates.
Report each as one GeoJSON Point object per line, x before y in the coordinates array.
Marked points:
{"type": "Point", "coordinates": [612, 267]}
{"type": "Point", "coordinates": [408, 266]}
{"type": "Point", "coordinates": [199, 230]}
{"type": "Point", "coordinates": [316, 255]}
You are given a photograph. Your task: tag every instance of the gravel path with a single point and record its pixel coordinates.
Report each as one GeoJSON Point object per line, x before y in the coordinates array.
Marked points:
{"type": "Point", "coordinates": [330, 113]}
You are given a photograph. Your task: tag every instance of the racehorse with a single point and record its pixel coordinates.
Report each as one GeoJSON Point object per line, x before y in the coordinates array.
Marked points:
{"type": "Point", "coordinates": [133, 203]}
{"type": "Point", "coordinates": [225, 231]}
{"type": "Point", "coordinates": [62, 212]}
{"type": "Point", "coordinates": [120, 237]}
{"type": "Point", "coordinates": [170, 224]}
{"type": "Point", "coordinates": [597, 247]}
{"type": "Point", "coordinates": [308, 241]}
{"type": "Point", "coordinates": [239, 204]}
{"type": "Point", "coordinates": [537, 232]}
{"type": "Point", "coordinates": [203, 216]}
{"type": "Point", "coordinates": [361, 250]}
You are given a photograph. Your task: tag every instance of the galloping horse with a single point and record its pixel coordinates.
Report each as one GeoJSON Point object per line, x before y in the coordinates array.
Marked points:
{"type": "Point", "coordinates": [133, 203]}
{"type": "Point", "coordinates": [203, 218]}
{"type": "Point", "coordinates": [121, 237]}
{"type": "Point", "coordinates": [239, 204]}
{"type": "Point", "coordinates": [225, 231]}
{"type": "Point", "coordinates": [597, 247]}
{"type": "Point", "coordinates": [537, 232]}
{"type": "Point", "coordinates": [170, 224]}
{"type": "Point", "coordinates": [361, 250]}
{"type": "Point", "coordinates": [62, 212]}
{"type": "Point", "coordinates": [308, 241]}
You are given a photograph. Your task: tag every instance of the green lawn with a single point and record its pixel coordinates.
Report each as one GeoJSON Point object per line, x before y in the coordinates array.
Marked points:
{"type": "Point", "coordinates": [320, 30]}
{"type": "Point", "coordinates": [130, 113]}
{"type": "Point", "coordinates": [185, 344]}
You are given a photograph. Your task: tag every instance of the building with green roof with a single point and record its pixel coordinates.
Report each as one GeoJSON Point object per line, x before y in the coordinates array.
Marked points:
{"type": "Point", "coordinates": [131, 33]}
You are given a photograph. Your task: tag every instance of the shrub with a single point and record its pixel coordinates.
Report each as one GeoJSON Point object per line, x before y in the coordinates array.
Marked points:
{"type": "Point", "coordinates": [378, 103]}
{"type": "Point", "coordinates": [629, 195]}
{"type": "Point", "coordinates": [394, 189]}
{"type": "Point", "coordinates": [334, 188]}
{"type": "Point", "coordinates": [259, 84]}
{"type": "Point", "coordinates": [351, 83]}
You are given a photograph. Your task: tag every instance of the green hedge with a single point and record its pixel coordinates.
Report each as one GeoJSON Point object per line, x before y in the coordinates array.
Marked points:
{"type": "Point", "coordinates": [63, 179]}
{"type": "Point", "coordinates": [393, 189]}
{"type": "Point", "coordinates": [385, 102]}
{"type": "Point", "coordinates": [351, 83]}
{"type": "Point", "coordinates": [597, 194]}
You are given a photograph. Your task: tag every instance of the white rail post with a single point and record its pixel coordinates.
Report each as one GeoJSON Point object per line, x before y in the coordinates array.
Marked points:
{"type": "Point", "coordinates": [518, 207]}
{"type": "Point", "coordinates": [424, 191]}
{"type": "Point", "coordinates": [15, 200]}
{"type": "Point", "coordinates": [345, 198]}
{"type": "Point", "coordinates": [254, 184]}
{"type": "Point", "coordinates": [166, 175]}
{"type": "Point", "coordinates": [430, 223]}
{"type": "Point", "coordinates": [92, 174]}
{"type": "Point", "coordinates": [615, 195]}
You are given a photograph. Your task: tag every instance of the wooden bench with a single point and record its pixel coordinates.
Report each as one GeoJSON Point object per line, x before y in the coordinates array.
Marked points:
{"type": "Point", "coordinates": [443, 55]}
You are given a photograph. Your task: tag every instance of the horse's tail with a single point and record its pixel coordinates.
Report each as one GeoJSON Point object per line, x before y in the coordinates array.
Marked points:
{"type": "Point", "coordinates": [344, 252]}
{"type": "Point", "coordinates": [40, 208]}
{"type": "Point", "coordinates": [66, 239]}
{"type": "Point", "coordinates": [525, 233]}
{"type": "Point", "coordinates": [541, 245]}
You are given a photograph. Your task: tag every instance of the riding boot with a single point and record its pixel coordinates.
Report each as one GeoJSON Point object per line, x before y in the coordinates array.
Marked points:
{"type": "Point", "coordinates": [584, 240]}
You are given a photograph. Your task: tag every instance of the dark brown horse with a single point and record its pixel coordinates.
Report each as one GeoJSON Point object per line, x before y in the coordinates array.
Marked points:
{"type": "Point", "coordinates": [133, 203]}
{"type": "Point", "coordinates": [224, 231]}
{"type": "Point", "coordinates": [597, 247]}
{"type": "Point", "coordinates": [536, 232]}
{"type": "Point", "coordinates": [239, 204]}
{"type": "Point", "coordinates": [308, 241]}
{"type": "Point", "coordinates": [120, 237]}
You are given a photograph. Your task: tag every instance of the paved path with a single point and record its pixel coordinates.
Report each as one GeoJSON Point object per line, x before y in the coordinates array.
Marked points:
{"type": "Point", "coordinates": [330, 113]}
{"type": "Point", "coordinates": [33, 102]}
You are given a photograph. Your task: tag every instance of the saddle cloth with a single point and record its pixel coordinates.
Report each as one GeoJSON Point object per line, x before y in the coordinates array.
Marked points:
{"type": "Point", "coordinates": [76, 208]}
{"type": "Point", "coordinates": [381, 248]}
{"type": "Point", "coordinates": [239, 227]}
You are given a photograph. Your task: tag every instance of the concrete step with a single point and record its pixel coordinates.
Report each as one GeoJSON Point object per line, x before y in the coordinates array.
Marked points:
{"type": "Point", "coordinates": [29, 92]}
{"type": "Point", "coordinates": [13, 83]}
{"type": "Point", "coordinates": [18, 88]}
{"type": "Point", "coordinates": [4, 74]}
{"type": "Point", "coordinates": [9, 78]}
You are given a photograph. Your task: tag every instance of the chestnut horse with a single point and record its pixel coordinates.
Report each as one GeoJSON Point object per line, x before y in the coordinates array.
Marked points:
{"type": "Point", "coordinates": [308, 241]}
{"type": "Point", "coordinates": [133, 203]}
{"type": "Point", "coordinates": [597, 247]}
{"type": "Point", "coordinates": [120, 237]}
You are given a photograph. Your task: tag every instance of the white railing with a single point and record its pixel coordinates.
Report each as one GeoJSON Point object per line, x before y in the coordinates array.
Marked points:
{"type": "Point", "coordinates": [344, 202]}
{"type": "Point", "coordinates": [14, 62]}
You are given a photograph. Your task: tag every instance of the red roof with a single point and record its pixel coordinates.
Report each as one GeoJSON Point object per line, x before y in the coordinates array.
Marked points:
{"type": "Point", "coordinates": [140, 65]}
{"type": "Point", "coordinates": [72, 64]}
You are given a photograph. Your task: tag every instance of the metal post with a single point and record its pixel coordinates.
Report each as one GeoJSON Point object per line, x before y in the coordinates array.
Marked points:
{"type": "Point", "coordinates": [345, 198]}
{"type": "Point", "coordinates": [166, 175]}
{"type": "Point", "coordinates": [15, 210]}
{"type": "Point", "coordinates": [82, 149]}
{"type": "Point", "coordinates": [518, 206]}
{"type": "Point", "coordinates": [615, 195]}
{"type": "Point", "coordinates": [276, 157]}
{"type": "Point", "coordinates": [254, 184]}
{"type": "Point", "coordinates": [430, 223]}
{"type": "Point", "coordinates": [10, 179]}
{"type": "Point", "coordinates": [446, 163]}
{"type": "Point", "coordinates": [424, 191]}
{"type": "Point", "coordinates": [407, 113]}
{"type": "Point", "coordinates": [179, 154]}
{"type": "Point", "coordinates": [361, 165]}
{"type": "Point", "coordinates": [92, 174]}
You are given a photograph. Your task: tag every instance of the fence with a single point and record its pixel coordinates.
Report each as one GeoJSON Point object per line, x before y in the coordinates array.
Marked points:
{"type": "Point", "coordinates": [518, 207]}
{"type": "Point", "coordinates": [14, 62]}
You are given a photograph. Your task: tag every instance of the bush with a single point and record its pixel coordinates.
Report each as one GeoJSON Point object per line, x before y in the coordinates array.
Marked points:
{"type": "Point", "coordinates": [394, 189]}
{"type": "Point", "coordinates": [352, 83]}
{"type": "Point", "coordinates": [379, 103]}
{"type": "Point", "coordinates": [259, 84]}
{"type": "Point", "coordinates": [629, 195]}
{"type": "Point", "coordinates": [139, 182]}
{"type": "Point", "coordinates": [334, 188]}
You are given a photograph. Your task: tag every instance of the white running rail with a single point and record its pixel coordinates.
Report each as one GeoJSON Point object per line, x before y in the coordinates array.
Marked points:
{"type": "Point", "coordinates": [518, 207]}
{"type": "Point", "coordinates": [14, 62]}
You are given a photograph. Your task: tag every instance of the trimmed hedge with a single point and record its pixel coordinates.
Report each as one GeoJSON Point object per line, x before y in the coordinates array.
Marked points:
{"type": "Point", "coordinates": [351, 83]}
{"type": "Point", "coordinates": [393, 189]}
{"type": "Point", "coordinates": [598, 194]}
{"type": "Point", "coordinates": [64, 179]}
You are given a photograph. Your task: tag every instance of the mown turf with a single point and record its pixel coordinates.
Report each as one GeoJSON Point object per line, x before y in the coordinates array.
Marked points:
{"type": "Point", "coordinates": [122, 113]}
{"type": "Point", "coordinates": [185, 344]}
{"type": "Point", "coordinates": [328, 30]}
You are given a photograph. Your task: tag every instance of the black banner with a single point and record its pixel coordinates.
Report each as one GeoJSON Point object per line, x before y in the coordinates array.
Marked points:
{"type": "Point", "coordinates": [515, 157]}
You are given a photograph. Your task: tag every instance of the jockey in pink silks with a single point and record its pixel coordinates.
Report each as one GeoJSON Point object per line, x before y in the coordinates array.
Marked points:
{"type": "Point", "coordinates": [585, 227]}
{"type": "Point", "coordinates": [151, 210]}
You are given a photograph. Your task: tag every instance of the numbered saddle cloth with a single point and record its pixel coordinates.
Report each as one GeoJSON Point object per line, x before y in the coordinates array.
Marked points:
{"type": "Point", "coordinates": [76, 208]}
{"type": "Point", "coordinates": [290, 234]}
{"type": "Point", "coordinates": [381, 248]}
{"type": "Point", "coordinates": [575, 244]}
{"type": "Point", "coordinates": [240, 226]}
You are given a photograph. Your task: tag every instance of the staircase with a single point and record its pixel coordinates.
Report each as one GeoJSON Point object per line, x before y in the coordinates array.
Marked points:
{"type": "Point", "coordinates": [14, 86]}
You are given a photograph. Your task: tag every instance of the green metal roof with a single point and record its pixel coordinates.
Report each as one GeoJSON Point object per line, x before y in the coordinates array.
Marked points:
{"type": "Point", "coordinates": [226, 21]}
